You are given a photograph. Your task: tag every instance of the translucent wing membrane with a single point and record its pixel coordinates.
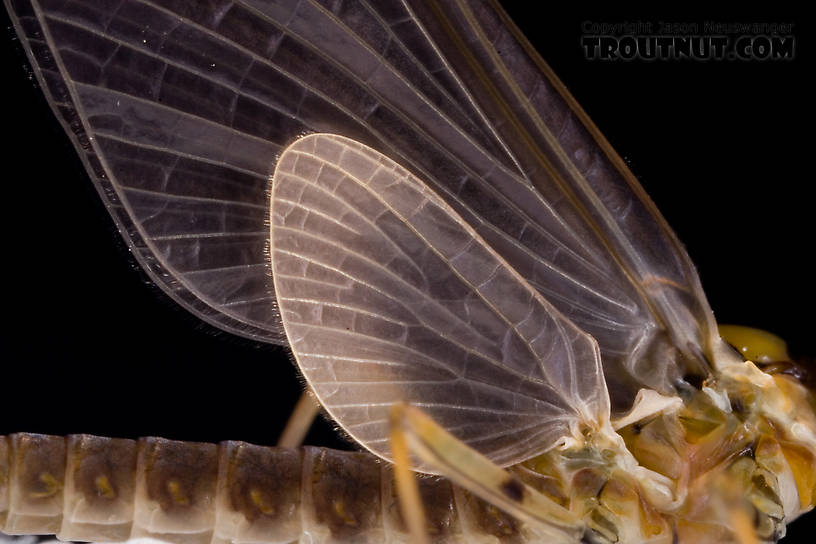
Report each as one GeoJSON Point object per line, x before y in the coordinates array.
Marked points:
{"type": "Point", "coordinates": [659, 311]}
{"type": "Point", "coordinates": [388, 295]}
{"type": "Point", "coordinates": [179, 108]}
{"type": "Point", "coordinates": [162, 141]}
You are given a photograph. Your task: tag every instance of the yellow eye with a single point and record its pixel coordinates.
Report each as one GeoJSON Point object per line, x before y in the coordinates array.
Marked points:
{"type": "Point", "coordinates": [755, 344]}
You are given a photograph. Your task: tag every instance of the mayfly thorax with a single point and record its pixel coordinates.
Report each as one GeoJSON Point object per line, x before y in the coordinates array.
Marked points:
{"type": "Point", "coordinates": [580, 482]}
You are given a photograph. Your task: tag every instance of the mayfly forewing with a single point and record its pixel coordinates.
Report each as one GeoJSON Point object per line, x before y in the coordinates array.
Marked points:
{"type": "Point", "coordinates": [662, 313]}
{"type": "Point", "coordinates": [388, 296]}
{"type": "Point", "coordinates": [408, 142]}
{"type": "Point", "coordinates": [178, 111]}
{"type": "Point", "coordinates": [185, 184]}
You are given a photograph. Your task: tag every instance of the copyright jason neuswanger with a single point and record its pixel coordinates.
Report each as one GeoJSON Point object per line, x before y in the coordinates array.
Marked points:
{"type": "Point", "coordinates": [703, 41]}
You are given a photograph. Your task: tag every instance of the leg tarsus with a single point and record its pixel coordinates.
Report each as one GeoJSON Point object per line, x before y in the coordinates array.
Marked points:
{"type": "Point", "coordinates": [300, 421]}
{"type": "Point", "coordinates": [407, 489]}
{"type": "Point", "coordinates": [743, 527]}
{"type": "Point", "coordinates": [434, 447]}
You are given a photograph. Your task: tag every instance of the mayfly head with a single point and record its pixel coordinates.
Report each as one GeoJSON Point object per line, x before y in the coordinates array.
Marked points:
{"type": "Point", "coordinates": [770, 353]}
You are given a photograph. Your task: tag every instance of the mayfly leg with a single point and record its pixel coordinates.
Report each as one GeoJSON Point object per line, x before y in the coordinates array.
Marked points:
{"type": "Point", "coordinates": [415, 432]}
{"type": "Point", "coordinates": [300, 421]}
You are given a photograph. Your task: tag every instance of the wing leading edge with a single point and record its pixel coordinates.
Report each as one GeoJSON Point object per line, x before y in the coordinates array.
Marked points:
{"type": "Point", "coordinates": [387, 295]}
{"type": "Point", "coordinates": [179, 109]}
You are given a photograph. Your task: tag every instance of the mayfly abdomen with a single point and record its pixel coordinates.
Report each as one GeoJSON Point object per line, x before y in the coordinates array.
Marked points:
{"type": "Point", "coordinates": [90, 488]}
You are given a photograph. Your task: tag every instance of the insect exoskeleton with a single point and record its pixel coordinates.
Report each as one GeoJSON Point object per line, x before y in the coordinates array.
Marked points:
{"type": "Point", "coordinates": [460, 263]}
{"type": "Point", "coordinates": [737, 455]}
{"type": "Point", "coordinates": [757, 345]}
{"type": "Point", "coordinates": [725, 459]}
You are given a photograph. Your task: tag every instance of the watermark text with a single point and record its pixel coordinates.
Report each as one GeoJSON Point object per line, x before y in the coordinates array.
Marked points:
{"type": "Point", "coordinates": [706, 41]}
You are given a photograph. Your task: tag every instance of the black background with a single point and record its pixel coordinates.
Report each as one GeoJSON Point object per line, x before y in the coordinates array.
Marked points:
{"type": "Point", "coordinates": [89, 346]}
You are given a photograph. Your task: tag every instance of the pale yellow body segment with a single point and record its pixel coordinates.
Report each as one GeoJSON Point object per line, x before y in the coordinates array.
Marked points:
{"type": "Point", "coordinates": [749, 461]}
{"type": "Point", "coordinates": [731, 462]}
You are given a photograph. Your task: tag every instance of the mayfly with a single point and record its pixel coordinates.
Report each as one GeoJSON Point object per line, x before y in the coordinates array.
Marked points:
{"type": "Point", "coordinates": [582, 484]}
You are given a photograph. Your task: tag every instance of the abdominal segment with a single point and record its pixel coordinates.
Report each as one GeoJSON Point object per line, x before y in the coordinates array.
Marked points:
{"type": "Point", "coordinates": [90, 488]}
{"type": "Point", "coordinates": [85, 487]}
{"type": "Point", "coordinates": [736, 475]}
